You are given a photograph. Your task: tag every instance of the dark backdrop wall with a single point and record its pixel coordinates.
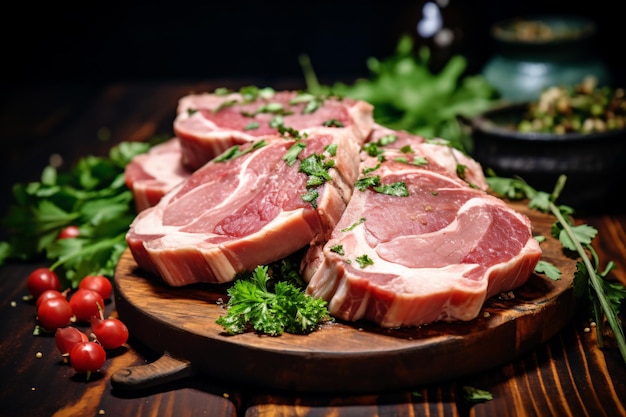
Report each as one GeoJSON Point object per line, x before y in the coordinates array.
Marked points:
{"type": "Point", "coordinates": [137, 40]}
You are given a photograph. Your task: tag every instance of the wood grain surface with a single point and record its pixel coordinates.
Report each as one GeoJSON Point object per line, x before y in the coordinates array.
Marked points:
{"type": "Point", "coordinates": [339, 357]}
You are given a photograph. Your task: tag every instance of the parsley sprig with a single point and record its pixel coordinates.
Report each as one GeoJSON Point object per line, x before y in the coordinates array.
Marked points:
{"type": "Point", "coordinates": [271, 304]}
{"type": "Point", "coordinates": [93, 196]}
{"type": "Point", "coordinates": [604, 297]}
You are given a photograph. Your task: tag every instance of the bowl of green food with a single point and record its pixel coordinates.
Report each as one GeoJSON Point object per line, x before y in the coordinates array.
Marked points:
{"type": "Point", "coordinates": [577, 131]}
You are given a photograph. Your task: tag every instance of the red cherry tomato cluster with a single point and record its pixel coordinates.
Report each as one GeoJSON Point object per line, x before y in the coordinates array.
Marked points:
{"type": "Point", "coordinates": [56, 312]}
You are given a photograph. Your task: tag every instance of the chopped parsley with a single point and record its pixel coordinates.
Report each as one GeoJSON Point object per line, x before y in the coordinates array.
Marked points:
{"type": "Point", "coordinates": [364, 260]}
{"type": "Point", "coordinates": [353, 225]}
{"type": "Point", "coordinates": [235, 152]}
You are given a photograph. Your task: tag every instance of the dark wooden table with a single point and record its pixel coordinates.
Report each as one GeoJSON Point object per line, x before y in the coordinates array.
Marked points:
{"type": "Point", "coordinates": [567, 376]}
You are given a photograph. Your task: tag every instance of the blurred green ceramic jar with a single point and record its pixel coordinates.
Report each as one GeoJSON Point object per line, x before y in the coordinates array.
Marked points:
{"type": "Point", "coordinates": [534, 53]}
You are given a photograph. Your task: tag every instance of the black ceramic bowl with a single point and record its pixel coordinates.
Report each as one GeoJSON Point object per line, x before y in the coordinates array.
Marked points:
{"type": "Point", "coordinates": [594, 163]}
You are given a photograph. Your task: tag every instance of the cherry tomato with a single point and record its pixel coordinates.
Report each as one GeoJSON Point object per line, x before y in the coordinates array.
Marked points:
{"type": "Point", "coordinates": [111, 333]}
{"type": "Point", "coordinates": [86, 304]}
{"type": "Point", "coordinates": [54, 313]}
{"type": "Point", "coordinates": [69, 232]}
{"type": "Point", "coordinates": [66, 337]}
{"type": "Point", "coordinates": [87, 357]}
{"type": "Point", "coordinates": [97, 283]}
{"type": "Point", "coordinates": [47, 294]}
{"type": "Point", "coordinates": [42, 279]}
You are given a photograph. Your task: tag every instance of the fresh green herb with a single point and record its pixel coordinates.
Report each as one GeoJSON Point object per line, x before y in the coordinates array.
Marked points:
{"type": "Point", "coordinates": [397, 189]}
{"type": "Point", "coordinates": [271, 307]}
{"type": "Point", "coordinates": [406, 149]}
{"type": "Point", "coordinates": [604, 297]}
{"type": "Point", "coordinates": [476, 395]}
{"type": "Point", "coordinates": [548, 269]}
{"type": "Point", "coordinates": [460, 171]}
{"type": "Point", "coordinates": [291, 156]}
{"type": "Point", "coordinates": [338, 249]}
{"type": "Point", "coordinates": [364, 260]}
{"type": "Point", "coordinates": [316, 167]}
{"type": "Point", "coordinates": [332, 123]}
{"type": "Point", "coordinates": [252, 126]}
{"type": "Point", "coordinates": [355, 224]}
{"type": "Point", "coordinates": [311, 197]}
{"type": "Point", "coordinates": [93, 196]}
{"type": "Point", "coordinates": [331, 149]}
{"type": "Point", "coordinates": [367, 170]}
{"type": "Point", "coordinates": [312, 102]}
{"type": "Point", "coordinates": [271, 108]}
{"type": "Point", "coordinates": [420, 161]}
{"type": "Point", "coordinates": [251, 93]}
{"type": "Point", "coordinates": [364, 183]}
{"type": "Point", "coordinates": [223, 105]}
{"type": "Point", "coordinates": [407, 95]}
{"type": "Point", "coordinates": [235, 151]}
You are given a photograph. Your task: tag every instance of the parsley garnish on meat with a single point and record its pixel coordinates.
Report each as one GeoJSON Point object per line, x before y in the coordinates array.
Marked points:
{"type": "Point", "coordinates": [364, 260]}
{"type": "Point", "coordinates": [316, 166]}
{"type": "Point", "coordinates": [604, 297]}
{"type": "Point", "coordinates": [269, 306]}
{"type": "Point", "coordinates": [398, 189]}
{"type": "Point", "coordinates": [235, 151]}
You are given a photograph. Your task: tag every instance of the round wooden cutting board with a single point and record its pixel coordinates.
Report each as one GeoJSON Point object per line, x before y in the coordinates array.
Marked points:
{"type": "Point", "coordinates": [339, 357]}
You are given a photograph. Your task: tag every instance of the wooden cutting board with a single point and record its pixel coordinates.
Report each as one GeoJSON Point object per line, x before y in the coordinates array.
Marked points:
{"type": "Point", "coordinates": [339, 357]}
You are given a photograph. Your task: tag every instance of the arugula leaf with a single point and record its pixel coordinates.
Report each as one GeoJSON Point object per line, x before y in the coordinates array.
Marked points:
{"type": "Point", "coordinates": [605, 297]}
{"type": "Point", "coordinates": [254, 304]}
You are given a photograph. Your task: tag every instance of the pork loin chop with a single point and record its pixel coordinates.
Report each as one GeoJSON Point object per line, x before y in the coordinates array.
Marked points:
{"type": "Point", "coordinates": [209, 123]}
{"type": "Point", "coordinates": [151, 175]}
{"type": "Point", "coordinates": [251, 207]}
{"type": "Point", "coordinates": [434, 254]}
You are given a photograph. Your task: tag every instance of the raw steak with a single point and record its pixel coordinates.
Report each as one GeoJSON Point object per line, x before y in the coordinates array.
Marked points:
{"type": "Point", "coordinates": [208, 124]}
{"type": "Point", "coordinates": [436, 254]}
{"type": "Point", "coordinates": [151, 175]}
{"type": "Point", "coordinates": [229, 217]}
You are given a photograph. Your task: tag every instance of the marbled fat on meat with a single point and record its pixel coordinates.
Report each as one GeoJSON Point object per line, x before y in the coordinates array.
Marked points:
{"type": "Point", "coordinates": [436, 254]}
{"type": "Point", "coordinates": [229, 217]}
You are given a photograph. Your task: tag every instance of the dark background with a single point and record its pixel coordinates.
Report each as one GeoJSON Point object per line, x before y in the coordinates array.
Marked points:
{"type": "Point", "coordinates": [132, 40]}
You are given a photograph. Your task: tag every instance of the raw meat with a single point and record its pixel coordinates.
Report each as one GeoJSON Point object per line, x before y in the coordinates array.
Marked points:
{"type": "Point", "coordinates": [229, 217]}
{"type": "Point", "coordinates": [407, 145]}
{"type": "Point", "coordinates": [151, 175]}
{"type": "Point", "coordinates": [436, 254]}
{"type": "Point", "coordinates": [208, 124]}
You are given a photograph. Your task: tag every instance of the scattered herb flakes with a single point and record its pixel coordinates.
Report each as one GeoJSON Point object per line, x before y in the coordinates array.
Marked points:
{"type": "Point", "coordinates": [353, 225]}
{"type": "Point", "coordinates": [291, 156]}
{"type": "Point", "coordinates": [364, 260]}
{"type": "Point", "coordinates": [397, 189]}
{"type": "Point", "coordinates": [364, 183]}
{"type": "Point", "coordinates": [252, 126]}
{"type": "Point", "coordinates": [332, 123]}
{"type": "Point", "coordinates": [338, 249]}
{"type": "Point", "coordinates": [235, 151]}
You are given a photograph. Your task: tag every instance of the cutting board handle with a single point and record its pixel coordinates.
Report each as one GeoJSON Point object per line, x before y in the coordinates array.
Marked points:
{"type": "Point", "coordinates": [163, 370]}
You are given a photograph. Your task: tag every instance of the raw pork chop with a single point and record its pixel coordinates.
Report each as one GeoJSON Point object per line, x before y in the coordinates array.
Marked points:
{"type": "Point", "coordinates": [208, 124]}
{"type": "Point", "coordinates": [395, 143]}
{"type": "Point", "coordinates": [229, 217]}
{"type": "Point", "coordinates": [152, 174]}
{"type": "Point", "coordinates": [436, 254]}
